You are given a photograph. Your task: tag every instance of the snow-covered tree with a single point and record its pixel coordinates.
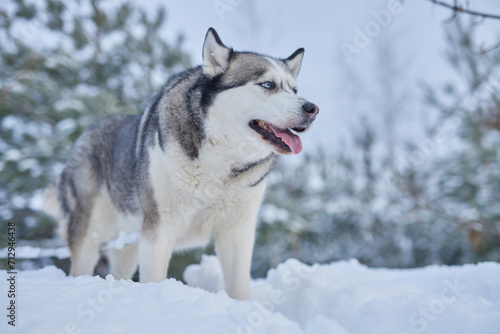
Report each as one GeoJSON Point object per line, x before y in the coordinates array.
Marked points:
{"type": "Point", "coordinates": [431, 201]}
{"type": "Point", "coordinates": [462, 185]}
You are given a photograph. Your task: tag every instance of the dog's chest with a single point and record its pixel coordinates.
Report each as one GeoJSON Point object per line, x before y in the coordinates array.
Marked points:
{"type": "Point", "coordinates": [193, 199]}
{"type": "Point", "coordinates": [184, 188]}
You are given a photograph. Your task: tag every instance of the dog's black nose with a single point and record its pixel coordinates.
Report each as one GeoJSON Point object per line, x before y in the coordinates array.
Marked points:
{"type": "Point", "coordinates": [311, 109]}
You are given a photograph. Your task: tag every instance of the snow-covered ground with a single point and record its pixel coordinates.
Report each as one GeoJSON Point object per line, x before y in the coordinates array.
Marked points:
{"type": "Point", "coordinates": [342, 297]}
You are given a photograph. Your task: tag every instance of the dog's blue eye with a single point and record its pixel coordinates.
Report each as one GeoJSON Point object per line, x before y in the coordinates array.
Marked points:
{"type": "Point", "coordinates": [268, 85]}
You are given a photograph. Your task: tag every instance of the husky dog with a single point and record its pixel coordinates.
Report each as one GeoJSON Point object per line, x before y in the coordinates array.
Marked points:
{"type": "Point", "coordinates": [189, 169]}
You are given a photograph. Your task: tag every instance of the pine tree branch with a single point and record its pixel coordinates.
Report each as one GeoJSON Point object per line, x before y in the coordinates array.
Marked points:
{"type": "Point", "coordinates": [488, 49]}
{"type": "Point", "coordinates": [27, 66]}
{"type": "Point", "coordinates": [459, 9]}
{"type": "Point", "coordinates": [456, 8]}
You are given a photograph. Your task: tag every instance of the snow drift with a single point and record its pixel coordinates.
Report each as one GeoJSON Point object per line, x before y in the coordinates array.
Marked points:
{"type": "Point", "coordinates": [342, 297]}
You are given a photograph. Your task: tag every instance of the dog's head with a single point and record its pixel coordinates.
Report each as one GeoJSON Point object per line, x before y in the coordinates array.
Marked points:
{"type": "Point", "coordinates": [253, 98]}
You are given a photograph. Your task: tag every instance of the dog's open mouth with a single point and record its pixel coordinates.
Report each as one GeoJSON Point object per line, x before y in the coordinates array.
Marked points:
{"type": "Point", "coordinates": [284, 140]}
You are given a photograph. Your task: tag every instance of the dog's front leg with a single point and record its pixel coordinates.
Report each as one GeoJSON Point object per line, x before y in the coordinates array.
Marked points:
{"type": "Point", "coordinates": [155, 250]}
{"type": "Point", "coordinates": [234, 249]}
{"type": "Point", "coordinates": [234, 243]}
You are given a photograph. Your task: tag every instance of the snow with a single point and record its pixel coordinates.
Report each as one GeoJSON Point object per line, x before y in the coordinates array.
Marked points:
{"type": "Point", "coordinates": [30, 252]}
{"type": "Point", "coordinates": [123, 240]}
{"type": "Point", "coordinates": [341, 297]}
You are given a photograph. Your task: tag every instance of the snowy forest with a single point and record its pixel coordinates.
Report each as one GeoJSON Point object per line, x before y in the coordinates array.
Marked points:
{"type": "Point", "coordinates": [385, 201]}
{"type": "Point", "coordinates": [388, 221]}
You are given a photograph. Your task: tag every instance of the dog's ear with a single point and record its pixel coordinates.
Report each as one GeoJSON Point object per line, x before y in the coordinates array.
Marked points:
{"type": "Point", "coordinates": [215, 54]}
{"type": "Point", "coordinates": [295, 61]}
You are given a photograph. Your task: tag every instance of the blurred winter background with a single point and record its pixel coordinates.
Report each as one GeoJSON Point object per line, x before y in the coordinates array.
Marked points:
{"type": "Point", "coordinates": [401, 170]}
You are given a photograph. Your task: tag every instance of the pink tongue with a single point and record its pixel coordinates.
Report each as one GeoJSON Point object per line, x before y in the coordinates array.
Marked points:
{"type": "Point", "coordinates": [293, 141]}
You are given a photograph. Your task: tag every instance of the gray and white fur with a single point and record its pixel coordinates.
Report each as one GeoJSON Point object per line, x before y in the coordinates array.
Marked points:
{"type": "Point", "coordinates": [190, 168]}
